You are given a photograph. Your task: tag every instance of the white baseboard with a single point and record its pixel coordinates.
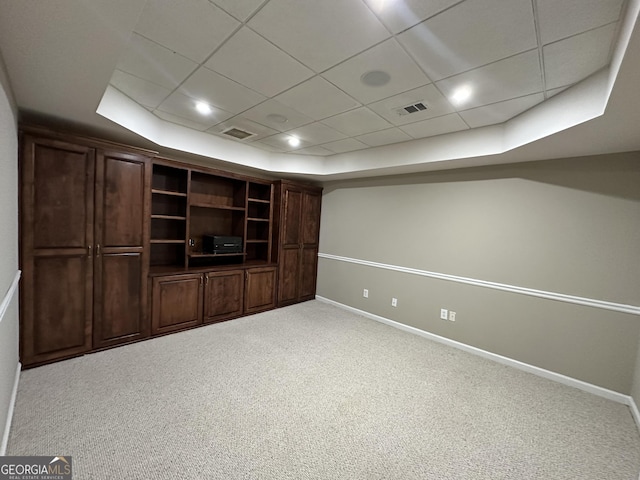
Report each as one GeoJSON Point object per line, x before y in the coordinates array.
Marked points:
{"type": "Point", "coordinates": [541, 372]}
{"type": "Point", "coordinates": [12, 403]}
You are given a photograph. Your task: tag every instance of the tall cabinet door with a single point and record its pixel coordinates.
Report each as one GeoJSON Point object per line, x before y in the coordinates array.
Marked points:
{"type": "Point", "coordinates": [56, 249]}
{"type": "Point", "coordinates": [121, 235]}
{"type": "Point", "coordinates": [310, 231]}
{"type": "Point", "coordinates": [289, 258]}
{"type": "Point", "coordinates": [299, 227]}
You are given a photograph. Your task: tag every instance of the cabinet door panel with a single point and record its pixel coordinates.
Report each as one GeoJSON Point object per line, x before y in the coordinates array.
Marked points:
{"type": "Point", "coordinates": [289, 273]}
{"type": "Point", "coordinates": [311, 218]}
{"type": "Point", "coordinates": [224, 292]}
{"type": "Point", "coordinates": [260, 290]}
{"type": "Point", "coordinates": [291, 214]}
{"type": "Point", "coordinates": [119, 313]}
{"type": "Point", "coordinates": [121, 204]}
{"type": "Point", "coordinates": [177, 302]}
{"type": "Point", "coordinates": [60, 324]}
{"type": "Point", "coordinates": [308, 273]}
{"type": "Point", "coordinates": [60, 187]}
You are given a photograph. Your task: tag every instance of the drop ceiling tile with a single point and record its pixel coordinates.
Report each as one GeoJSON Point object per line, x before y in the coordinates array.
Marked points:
{"type": "Point", "coordinates": [252, 61]}
{"type": "Point", "coordinates": [267, 112]}
{"type": "Point", "coordinates": [259, 131]}
{"type": "Point", "coordinates": [471, 34]}
{"type": "Point", "coordinates": [183, 106]}
{"type": "Point", "coordinates": [281, 141]}
{"type": "Point", "coordinates": [510, 78]}
{"type": "Point", "coordinates": [142, 91]}
{"type": "Point", "coordinates": [501, 111]}
{"type": "Point", "coordinates": [346, 145]}
{"type": "Point", "coordinates": [554, 91]}
{"type": "Point", "coordinates": [575, 58]}
{"type": "Point", "coordinates": [388, 57]}
{"type": "Point", "coordinates": [155, 63]}
{"type": "Point", "coordinates": [436, 126]}
{"type": "Point", "coordinates": [169, 117]}
{"type": "Point", "coordinates": [399, 16]}
{"type": "Point", "coordinates": [317, 99]}
{"type": "Point", "coordinates": [316, 133]}
{"type": "Point", "coordinates": [193, 28]}
{"type": "Point", "coordinates": [384, 137]}
{"type": "Point", "coordinates": [357, 122]}
{"type": "Point", "coordinates": [268, 147]}
{"type": "Point", "coordinates": [319, 33]}
{"type": "Point", "coordinates": [392, 108]}
{"type": "Point", "coordinates": [316, 150]}
{"type": "Point", "coordinates": [241, 9]}
{"type": "Point", "coordinates": [220, 91]}
{"type": "Point", "coordinates": [566, 18]}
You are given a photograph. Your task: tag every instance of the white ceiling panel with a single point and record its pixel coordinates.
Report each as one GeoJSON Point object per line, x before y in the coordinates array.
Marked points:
{"type": "Point", "coordinates": [241, 9]}
{"type": "Point", "coordinates": [570, 60]}
{"type": "Point", "coordinates": [155, 63]}
{"type": "Point", "coordinates": [346, 145]}
{"type": "Point", "coordinates": [315, 150]}
{"type": "Point", "coordinates": [184, 106]}
{"type": "Point", "coordinates": [402, 14]}
{"type": "Point", "coordinates": [357, 122]}
{"type": "Point", "coordinates": [561, 19]}
{"type": "Point", "coordinates": [384, 137]}
{"type": "Point", "coordinates": [436, 126]}
{"type": "Point", "coordinates": [316, 133]}
{"type": "Point", "coordinates": [391, 108]}
{"type": "Point", "coordinates": [263, 67]}
{"type": "Point", "coordinates": [510, 78]}
{"type": "Point", "coordinates": [501, 111]}
{"type": "Point", "coordinates": [317, 99]}
{"type": "Point", "coordinates": [259, 131]}
{"type": "Point", "coordinates": [142, 91]}
{"type": "Point", "coordinates": [217, 90]}
{"type": "Point", "coordinates": [281, 141]}
{"type": "Point", "coordinates": [554, 91]}
{"type": "Point", "coordinates": [319, 33]}
{"type": "Point", "coordinates": [471, 34]}
{"type": "Point", "coordinates": [180, 26]}
{"type": "Point", "coordinates": [277, 116]}
{"type": "Point", "coordinates": [388, 57]}
{"type": "Point", "coordinates": [185, 122]}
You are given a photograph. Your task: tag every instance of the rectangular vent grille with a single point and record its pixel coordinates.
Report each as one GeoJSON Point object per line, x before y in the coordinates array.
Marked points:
{"type": "Point", "coordinates": [413, 108]}
{"type": "Point", "coordinates": [237, 133]}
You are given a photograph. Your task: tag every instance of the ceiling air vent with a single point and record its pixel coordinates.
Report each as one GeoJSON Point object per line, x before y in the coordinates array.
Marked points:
{"type": "Point", "coordinates": [413, 108]}
{"type": "Point", "coordinates": [237, 133]}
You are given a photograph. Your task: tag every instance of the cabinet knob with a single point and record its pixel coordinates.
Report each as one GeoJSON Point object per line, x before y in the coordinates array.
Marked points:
{"type": "Point", "coordinates": [89, 251]}
{"type": "Point", "coordinates": [98, 250]}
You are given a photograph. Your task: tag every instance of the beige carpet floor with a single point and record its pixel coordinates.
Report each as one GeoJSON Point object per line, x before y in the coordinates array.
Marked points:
{"type": "Point", "coordinates": [314, 392]}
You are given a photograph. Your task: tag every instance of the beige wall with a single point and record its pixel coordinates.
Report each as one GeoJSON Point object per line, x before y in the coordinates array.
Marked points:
{"type": "Point", "coordinates": [8, 244]}
{"type": "Point", "coordinates": [568, 226]}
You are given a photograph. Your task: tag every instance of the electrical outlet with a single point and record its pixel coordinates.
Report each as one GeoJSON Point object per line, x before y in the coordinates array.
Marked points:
{"type": "Point", "coordinates": [443, 313]}
{"type": "Point", "coordinates": [452, 316]}
{"type": "Point", "coordinates": [365, 293]}
{"type": "Point", "coordinates": [394, 302]}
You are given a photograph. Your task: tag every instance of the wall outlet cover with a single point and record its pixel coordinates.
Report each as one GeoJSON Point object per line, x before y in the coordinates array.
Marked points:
{"type": "Point", "coordinates": [443, 313]}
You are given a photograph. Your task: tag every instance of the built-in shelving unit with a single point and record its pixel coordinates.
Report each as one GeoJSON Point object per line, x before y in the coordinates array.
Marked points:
{"type": "Point", "coordinates": [188, 204]}
{"type": "Point", "coordinates": [168, 215]}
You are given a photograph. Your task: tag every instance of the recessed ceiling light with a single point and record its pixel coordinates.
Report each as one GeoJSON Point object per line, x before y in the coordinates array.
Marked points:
{"type": "Point", "coordinates": [203, 108]}
{"type": "Point", "coordinates": [380, 5]}
{"type": "Point", "coordinates": [277, 118]}
{"type": "Point", "coordinates": [461, 94]}
{"type": "Point", "coordinates": [375, 78]}
{"type": "Point", "coordinates": [293, 141]}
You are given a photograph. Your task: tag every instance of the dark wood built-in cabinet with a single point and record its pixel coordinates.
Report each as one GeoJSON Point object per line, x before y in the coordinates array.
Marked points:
{"type": "Point", "coordinates": [83, 248]}
{"type": "Point", "coordinates": [112, 245]}
{"type": "Point", "coordinates": [299, 230]}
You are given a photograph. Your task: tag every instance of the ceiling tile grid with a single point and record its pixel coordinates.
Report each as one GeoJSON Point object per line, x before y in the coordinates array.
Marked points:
{"type": "Point", "coordinates": [343, 75]}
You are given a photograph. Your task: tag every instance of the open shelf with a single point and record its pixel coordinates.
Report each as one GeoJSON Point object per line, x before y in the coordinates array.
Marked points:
{"type": "Point", "coordinates": [162, 240]}
{"type": "Point", "coordinates": [210, 205]}
{"type": "Point", "coordinates": [168, 217]}
{"type": "Point", "coordinates": [211, 255]}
